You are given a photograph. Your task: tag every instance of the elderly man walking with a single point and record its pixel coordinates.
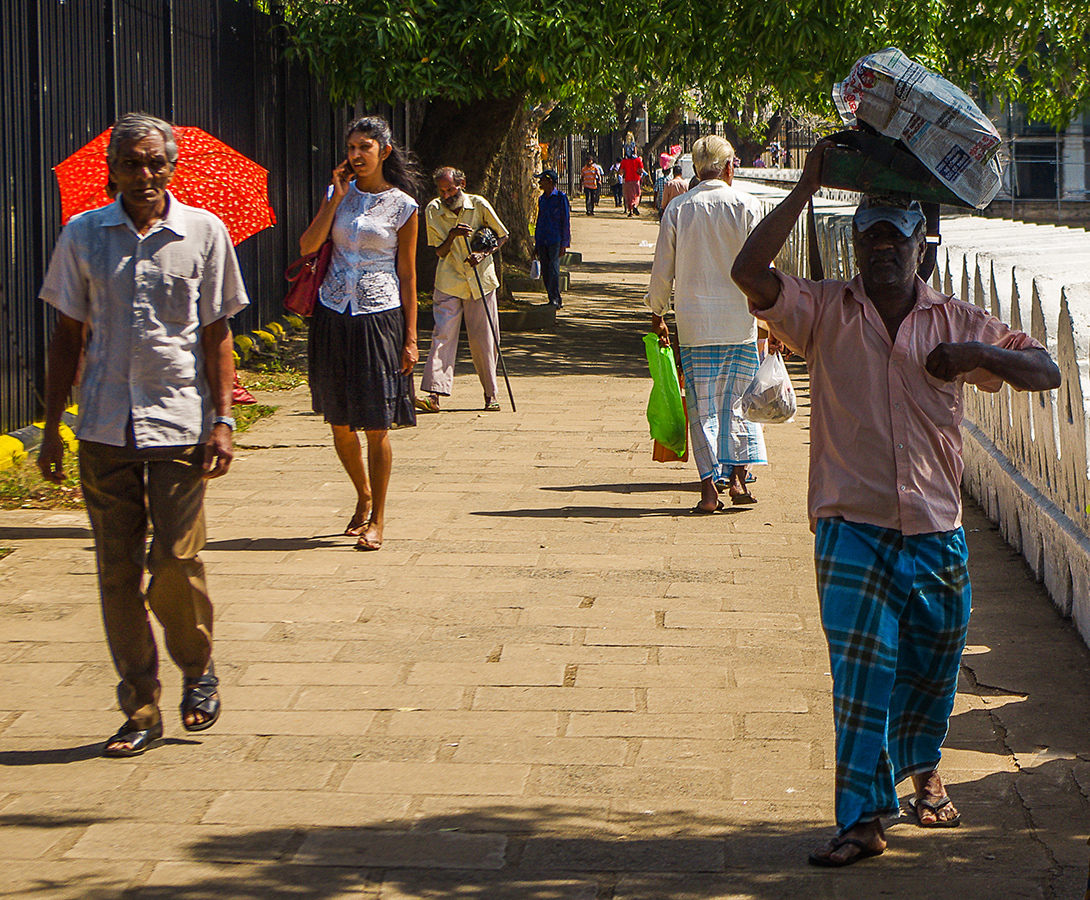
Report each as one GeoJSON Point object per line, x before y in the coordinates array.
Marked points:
{"type": "Point", "coordinates": [452, 219]}
{"type": "Point", "coordinates": [151, 283]}
{"type": "Point", "coordinates": [888, 357]}
{"type": "Point", "coordinates": [699, 235]}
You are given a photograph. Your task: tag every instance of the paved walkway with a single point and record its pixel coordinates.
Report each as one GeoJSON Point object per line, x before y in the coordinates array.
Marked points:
{"type": "Point", "coordinates": [550, 684]}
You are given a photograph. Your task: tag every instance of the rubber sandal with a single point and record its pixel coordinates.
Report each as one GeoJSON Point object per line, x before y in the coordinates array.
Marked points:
{"type": "Point", "coordinates": [427, 404]}
{"type": "Point", "coordinates": [355, 529]}
{"type": "Point", "coordinates": [865, 852]}
{"type": "Point", "coordinates": [746, 499]}
{"type": "Point", "coordinates": [491, 404]}
{"type": "Point", "coordinates": [138, 739]}
{"type": "Point", "coordinates": [699, 510]}
{"type": "Point", "coordinates": [934, 806]}
{"type": "Point", "coordinates": [365, 544]}
{"type": "Point", "coordinates": [200, 695]}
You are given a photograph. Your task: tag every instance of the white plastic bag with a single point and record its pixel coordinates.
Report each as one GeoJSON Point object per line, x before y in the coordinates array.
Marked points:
{"type": "Point", "coordinates": [535, 269]}
{"type": "Point", "coordinates": [770, 399]}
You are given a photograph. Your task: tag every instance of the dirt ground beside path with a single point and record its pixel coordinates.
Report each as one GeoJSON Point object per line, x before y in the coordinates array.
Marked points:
{"type": "Point", "coordinates": [550, 684]}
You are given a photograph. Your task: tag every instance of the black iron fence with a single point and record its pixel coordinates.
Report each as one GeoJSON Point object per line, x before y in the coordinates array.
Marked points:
{"type": "Point", "coordinates": [68, 68]}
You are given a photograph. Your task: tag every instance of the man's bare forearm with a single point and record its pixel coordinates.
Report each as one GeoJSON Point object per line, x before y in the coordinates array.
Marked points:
{"type": "Point", "coordinates": [63, 364]}
{"type": "Point", "coordinates": [751, 270]}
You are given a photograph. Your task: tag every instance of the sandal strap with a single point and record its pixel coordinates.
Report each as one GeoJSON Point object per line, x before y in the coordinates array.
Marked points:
{"type": "Point", "coordinates": [199, 694]}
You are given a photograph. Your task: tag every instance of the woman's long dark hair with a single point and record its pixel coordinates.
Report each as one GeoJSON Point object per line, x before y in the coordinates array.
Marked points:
{"type": "Point", "coordinates": [399, 168]}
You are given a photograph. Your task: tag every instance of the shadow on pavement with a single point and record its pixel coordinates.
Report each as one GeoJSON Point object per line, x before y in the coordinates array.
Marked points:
{"type": "Point", "coordinates": [553, 853]}
{"type": "Point", "coordinates": [601, 512]}
{"type": "Point", "coordinates": [628, 487]}
{"type": "Point", "coordinates": [585, 344]}
{"type": "Point", "coordinates": [46, 532]}
{"type": "Point", "coordinates": [289, 543]}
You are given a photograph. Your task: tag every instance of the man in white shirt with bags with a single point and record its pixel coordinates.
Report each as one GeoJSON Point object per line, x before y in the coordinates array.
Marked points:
{"type": "Point", "coordinates": [700, 234]}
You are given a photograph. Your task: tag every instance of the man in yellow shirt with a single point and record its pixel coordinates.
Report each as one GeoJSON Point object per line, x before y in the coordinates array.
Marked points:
{"type": "Point", "coordinates": [452, 219]}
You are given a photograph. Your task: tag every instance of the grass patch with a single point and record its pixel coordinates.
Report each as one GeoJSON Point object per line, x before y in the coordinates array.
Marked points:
{"type": "Point", "coordinates": [245, 416]}
{"type": "Point", "coordinates": [282, 372]}
{"type": "Point", "coordinates": [22, 487]}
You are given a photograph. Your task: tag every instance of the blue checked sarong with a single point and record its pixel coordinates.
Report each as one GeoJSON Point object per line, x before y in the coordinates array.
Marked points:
{"type": "Point", "coordinates": [895, 610]}
{"type": "Point", "coordinates": [715, 379]}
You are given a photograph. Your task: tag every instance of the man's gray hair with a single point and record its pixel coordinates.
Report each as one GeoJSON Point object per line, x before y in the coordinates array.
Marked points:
{"type": "Point", "coordinates": [711, 155]}
{"type": "Point", "coordinates": [455, 175]}
{"type": "Point", "coordinates": [135, 126]}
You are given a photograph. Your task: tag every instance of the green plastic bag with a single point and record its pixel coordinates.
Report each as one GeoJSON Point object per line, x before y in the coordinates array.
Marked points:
{"type": "Point", "coordinates": [665, 409]}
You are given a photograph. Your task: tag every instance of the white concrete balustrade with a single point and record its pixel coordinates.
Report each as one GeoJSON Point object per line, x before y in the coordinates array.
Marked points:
{"type": "Point", "coordinates": [1027, 456]}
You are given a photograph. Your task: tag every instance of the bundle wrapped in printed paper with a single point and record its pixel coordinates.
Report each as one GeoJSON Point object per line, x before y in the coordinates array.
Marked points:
{"type": "Point", "coordinates": [936, 120]}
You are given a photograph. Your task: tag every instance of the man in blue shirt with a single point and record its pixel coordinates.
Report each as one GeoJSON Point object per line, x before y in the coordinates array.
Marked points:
{"type": "Point", "coordinates": [552, 236]}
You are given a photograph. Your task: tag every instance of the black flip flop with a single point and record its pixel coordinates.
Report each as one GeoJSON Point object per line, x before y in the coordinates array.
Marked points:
{"type": "Point", "coordinates": [934, 806]}
{"type": "Point", "coordinates": [746, 499]}
{"type": "Point", "coordinates": [138, 739]}
{"type": "Point", "coordinates": [865, 852]}
{"type": "Point", "coordinates": [200, 695]}
{"type": "Point", "coordinates": [698, 510]}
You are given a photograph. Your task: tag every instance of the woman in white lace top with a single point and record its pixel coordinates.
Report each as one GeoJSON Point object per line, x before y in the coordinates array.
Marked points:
{"type": "Point", "coordinates": [363, 334]}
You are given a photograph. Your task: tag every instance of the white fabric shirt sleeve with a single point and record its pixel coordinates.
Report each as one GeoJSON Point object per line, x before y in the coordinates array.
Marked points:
{"type": "Point", "coordinates": [65, 287]}
{"type": "Point", "coordinates": [660, 290]}
{"type": "Point", "coordinates": [223, 292]}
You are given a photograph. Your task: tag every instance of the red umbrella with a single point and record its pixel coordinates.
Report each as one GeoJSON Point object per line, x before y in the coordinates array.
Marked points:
{"type": "Point", "coordinates": [209, 174]}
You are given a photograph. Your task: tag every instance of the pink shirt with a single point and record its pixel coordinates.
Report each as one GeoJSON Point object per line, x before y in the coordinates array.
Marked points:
{"type": "Point", "coordinates": [885, 442]}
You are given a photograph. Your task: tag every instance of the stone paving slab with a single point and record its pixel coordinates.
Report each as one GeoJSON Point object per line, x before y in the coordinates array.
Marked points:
{"type": "Point", "coordinates": [551, 683]}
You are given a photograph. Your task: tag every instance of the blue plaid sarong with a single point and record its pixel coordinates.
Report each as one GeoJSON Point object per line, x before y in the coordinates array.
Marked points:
{"type": "Point", "coordinates": [720, 438]}
{"type": "Point", "coordinates": [895, 610]}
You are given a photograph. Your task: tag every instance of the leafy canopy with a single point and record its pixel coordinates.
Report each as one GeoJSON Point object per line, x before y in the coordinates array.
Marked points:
{"type": "Point", "coordinates": [1033, 51]}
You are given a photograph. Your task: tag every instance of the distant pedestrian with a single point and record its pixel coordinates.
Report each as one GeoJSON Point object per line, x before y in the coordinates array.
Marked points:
{"type": "Point", "coordinates": [143, 289]}
{"type": "Point", "coordinates": [699, 235]}
{"type": "Point", "coordinates": [888, 358]}
{"type": "Point", "coordinates": [552, 234]}
{"type": "Point", "coordinates": [660, 184]}
{"type": "Point", "coordinates": [591, 178]}
{"type": "Point", "coordinates": [452, 220]}
{"type": "Point", "coordinates": [774, 151]}
{"type": "Point", "coordinates": [616, 183]}
{"type": "Point", "coordinates": [675, 187]}
{"type": "Point", "coordinates": [362, 345]}
{"type": "Point", "coordinates": [632, 173]}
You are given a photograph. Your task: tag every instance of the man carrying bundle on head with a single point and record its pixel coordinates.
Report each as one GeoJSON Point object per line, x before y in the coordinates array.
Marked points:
{"type": "Point", "coordinates": [888, 357]}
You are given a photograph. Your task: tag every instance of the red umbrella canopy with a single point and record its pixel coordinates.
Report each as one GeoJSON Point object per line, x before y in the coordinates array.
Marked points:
{"type": "Point", "coordinates": [209, 174]}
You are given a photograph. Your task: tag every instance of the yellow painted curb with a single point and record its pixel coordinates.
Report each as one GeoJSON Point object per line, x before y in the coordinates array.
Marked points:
{"type": "Point", "coordinates": [11, 451]}
{"type": "Point", "coordinates": [245, 345]}
{"type": "Point", "coordinates": [266, 338]}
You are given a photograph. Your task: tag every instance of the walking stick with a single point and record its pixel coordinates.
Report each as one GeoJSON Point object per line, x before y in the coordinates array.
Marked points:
{"type": "Point", "coordinates": [492, 325]}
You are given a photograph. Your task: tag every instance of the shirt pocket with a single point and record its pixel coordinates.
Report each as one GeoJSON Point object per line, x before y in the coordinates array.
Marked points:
{"type": "Point", "coordinates": [941, 400]}
{"type": "Point", "coordinates": [177, 302]}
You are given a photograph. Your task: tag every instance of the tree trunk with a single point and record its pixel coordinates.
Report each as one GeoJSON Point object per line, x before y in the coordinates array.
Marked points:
{"type": "Point", "coordinates": [516, 191]}
{"type": "Point", "coordinates": [750, 146]}
{"type": "Point", "coordinates": [663, 133]}
{"type": "Point", "coordinates": [470, 137]}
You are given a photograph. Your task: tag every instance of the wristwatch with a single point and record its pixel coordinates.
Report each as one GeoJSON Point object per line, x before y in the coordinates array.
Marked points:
{"type": "Point", "coordinates": [229, 421]}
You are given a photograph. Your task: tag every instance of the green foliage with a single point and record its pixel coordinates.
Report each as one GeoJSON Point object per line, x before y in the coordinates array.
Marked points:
{"type": "Point", "coordinates": [586, 51]}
